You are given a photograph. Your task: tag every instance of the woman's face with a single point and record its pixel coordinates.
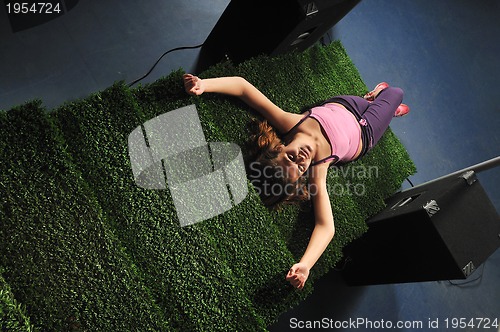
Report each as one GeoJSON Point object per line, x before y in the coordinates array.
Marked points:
{"type": "Point", "coordinates": [295, 158]}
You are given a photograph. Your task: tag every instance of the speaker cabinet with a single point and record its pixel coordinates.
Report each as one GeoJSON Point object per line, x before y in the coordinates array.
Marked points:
{"type": "Point", "coordinates": [440, 231]}
{"type": "Point", "coordinates": [248, 28]}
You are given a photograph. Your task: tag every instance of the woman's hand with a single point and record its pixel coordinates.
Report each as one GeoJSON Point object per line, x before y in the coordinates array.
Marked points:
{"type": "Point", "coordinates": [298, 275]}
{"type": "Point", "coordinates": [193, 85]}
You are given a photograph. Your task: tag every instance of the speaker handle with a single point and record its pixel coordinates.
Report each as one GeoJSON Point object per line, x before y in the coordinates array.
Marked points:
{"type": "Point", "coordinates": [485, 165]}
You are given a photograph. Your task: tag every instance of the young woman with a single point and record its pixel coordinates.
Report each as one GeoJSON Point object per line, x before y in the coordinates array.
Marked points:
{"type": "Point", "coordinates": [293, 151]}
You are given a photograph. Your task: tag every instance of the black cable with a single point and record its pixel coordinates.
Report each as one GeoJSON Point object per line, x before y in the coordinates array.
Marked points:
{"type": "Point", "coordinates": [411, 184]}
{"type": "Point", "coordinates": [467, 283]}
{"type": "Point", "coordinates": [323, 41]}
{"type": "Point", "coordinates": [157, 61]}
{"type": "Point", "coordinates": [329, 37]}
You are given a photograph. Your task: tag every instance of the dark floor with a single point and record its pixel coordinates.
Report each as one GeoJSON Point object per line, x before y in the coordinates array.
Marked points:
{"type": "Point", "coordinates": [444, 54]}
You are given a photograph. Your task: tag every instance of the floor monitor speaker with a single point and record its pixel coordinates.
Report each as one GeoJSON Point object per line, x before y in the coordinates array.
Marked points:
{"type": "Point", "coordinates": [440, 231]}
{"type": "Point", "coordinates": [248, 28]}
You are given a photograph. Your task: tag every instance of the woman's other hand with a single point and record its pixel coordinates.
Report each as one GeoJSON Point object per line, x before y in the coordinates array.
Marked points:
{"type": "Point", "coordinates": [298, 275]}
{"type": "Point", "coordinates": [193, 85]}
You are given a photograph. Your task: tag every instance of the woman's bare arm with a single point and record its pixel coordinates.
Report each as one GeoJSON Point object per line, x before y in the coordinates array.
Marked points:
{"type": "Point", "coordinates": [241, 88]}
{"type": "Point", "coordinates": [323, 232]}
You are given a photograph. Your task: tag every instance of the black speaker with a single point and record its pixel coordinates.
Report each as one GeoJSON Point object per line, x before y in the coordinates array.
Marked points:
{"type": "Point", "coordinates": [440, 231]}
{"type": "Point", "coordinates": [248, 28]}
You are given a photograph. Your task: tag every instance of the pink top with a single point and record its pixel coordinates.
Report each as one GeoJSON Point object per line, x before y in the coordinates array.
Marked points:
{"type": "Point", "coordinates": [342, 129]}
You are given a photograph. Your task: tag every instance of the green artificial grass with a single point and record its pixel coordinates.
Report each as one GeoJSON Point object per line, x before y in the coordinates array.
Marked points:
{"type": "Point", "coordinates": [13, 316]}
{"type": "Point", "coordinates": [82, 248]}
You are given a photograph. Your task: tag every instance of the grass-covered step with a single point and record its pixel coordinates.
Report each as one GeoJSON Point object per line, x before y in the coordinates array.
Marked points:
{"type": "Point", "coordinates": [13, 315]}
{"type": "Point", "coordinates": [84, 248]}
{"type": "Point", "coordinates": [190, 281]}
{"type": "Point", "coordinates": [58, 255]}
{"type": "Point", "coordinates": [292, 81]}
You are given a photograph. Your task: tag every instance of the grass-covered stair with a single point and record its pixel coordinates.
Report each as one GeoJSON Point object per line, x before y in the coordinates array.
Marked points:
{"type": "Point", "coordinates": [82, 248]}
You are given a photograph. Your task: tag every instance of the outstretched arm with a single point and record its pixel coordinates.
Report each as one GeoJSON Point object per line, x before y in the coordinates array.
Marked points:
{"type": "Point", "coordinates": [323, 232]}
{"type": "Point", "coordinates": [241, 88]}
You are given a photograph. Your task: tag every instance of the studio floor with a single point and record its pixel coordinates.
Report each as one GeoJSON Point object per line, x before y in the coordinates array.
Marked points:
{"type": "Point", "coordinates": [444, 54]}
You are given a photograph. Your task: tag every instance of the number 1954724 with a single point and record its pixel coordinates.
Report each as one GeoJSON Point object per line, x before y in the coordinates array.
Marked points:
{"type": "Point", "coordinates": [33, 8]}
